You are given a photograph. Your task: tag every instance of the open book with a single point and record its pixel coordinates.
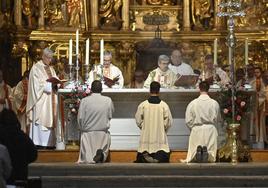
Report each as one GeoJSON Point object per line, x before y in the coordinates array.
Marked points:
{"type": "Point", "coordinates": [110, 82]}
{"type": "Point", "coordinates": [55, 80]}
{"type": "Point", "coordinates": [186, 80]}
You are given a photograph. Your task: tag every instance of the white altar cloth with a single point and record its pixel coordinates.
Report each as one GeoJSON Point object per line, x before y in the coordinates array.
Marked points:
{"type": "Point", "coordinates": [124, 131]}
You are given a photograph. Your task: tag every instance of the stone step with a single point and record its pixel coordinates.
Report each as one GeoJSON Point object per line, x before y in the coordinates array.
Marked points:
{"type": "Point", "coordinates": [134, 169]}
{"type": "Point", "coordinates": [126, 156]}
{"type": "Point", "coordinates": [153, 181]}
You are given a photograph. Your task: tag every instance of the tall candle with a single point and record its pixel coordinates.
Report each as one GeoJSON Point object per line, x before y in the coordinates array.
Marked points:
{"type": "Point", "coordinates": [77, 42]}
{"type": "Point", "coordinates": [70, 51]}
{"type": "Point", "coordinates": [101, 51]}
{"type": "Point", "coordinates": [246, 51]}
{"type": "Point", "coordinates": [87, 52]}
{"type": "Point", "coordinates": [215, 51]}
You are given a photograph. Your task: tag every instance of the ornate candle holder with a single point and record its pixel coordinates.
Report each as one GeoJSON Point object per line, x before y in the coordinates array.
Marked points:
{"type": "Point", "coordinates": [235, 148]}
{"type": "Point", "coordinates": [77, 70]}
{"type": "Point", "coordinates": [86, 66]}
{"type": "Point", "coordinates": [70, 72]}
{"type": "Point", "coordinates": [247, 85]}
{"type": "Point", "coordinates": [215, 84]}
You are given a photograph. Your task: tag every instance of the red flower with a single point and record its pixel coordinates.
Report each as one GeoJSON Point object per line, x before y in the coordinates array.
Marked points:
{"type": "Point", "coordinates": [238, 117]}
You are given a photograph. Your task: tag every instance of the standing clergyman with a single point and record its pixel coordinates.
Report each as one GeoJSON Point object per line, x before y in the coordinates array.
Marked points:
{"type": "Point", "coordinates": [42, 101]}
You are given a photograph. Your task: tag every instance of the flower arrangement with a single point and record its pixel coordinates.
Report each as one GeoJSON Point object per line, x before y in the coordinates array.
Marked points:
{"type": "Point", "coordinates": [73, 99]}
{"type": "Point", "coordinates": [241, 104]}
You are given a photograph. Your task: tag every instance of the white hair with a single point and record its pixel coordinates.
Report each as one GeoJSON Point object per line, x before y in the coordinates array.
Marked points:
{"type": "Point", "coordinates": [48, 52]}
{"type": "Point", "coordinates": [107, 53]}
{"type": "Point", "coordinates": [163, 58]}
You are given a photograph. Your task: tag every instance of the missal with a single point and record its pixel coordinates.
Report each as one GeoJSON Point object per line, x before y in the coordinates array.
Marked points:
{"type": "Point", "coordinates": [55, 80]}
{"type": "Point", "coordinates": [187, 80]}
{"type": "Point", "coordinates": [110, 82]}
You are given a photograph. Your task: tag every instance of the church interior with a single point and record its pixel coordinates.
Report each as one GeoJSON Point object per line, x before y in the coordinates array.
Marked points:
{"type": "Point", "coordinates": [137, 32]}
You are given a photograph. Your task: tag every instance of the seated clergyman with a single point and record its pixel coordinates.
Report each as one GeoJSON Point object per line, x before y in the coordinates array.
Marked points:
{"type": "Point", "coordinates": [154, 118]}
{"type": "Point", "coordinates": [111, 74]}
{"type": "Point", "coordinates": [162, 74]}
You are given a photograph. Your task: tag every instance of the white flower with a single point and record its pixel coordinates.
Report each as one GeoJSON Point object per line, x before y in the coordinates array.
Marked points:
{"type": "Point", "coordinates": [243, 103]}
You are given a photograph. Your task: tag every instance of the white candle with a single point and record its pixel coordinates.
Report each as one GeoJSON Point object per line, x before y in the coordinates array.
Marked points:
{"type": "Point", "coordinates": [87, 52]}
{"type": "Point", "coordinates": [70, 51]}
{"type": "Point", "coordinates": [246, 51]}
{"type": "Point", "coordinates": [215, 51]}
{"type": "Point", "coordinates": [101, 51]}
{"type": "Point", "coordinates": [77, 42]}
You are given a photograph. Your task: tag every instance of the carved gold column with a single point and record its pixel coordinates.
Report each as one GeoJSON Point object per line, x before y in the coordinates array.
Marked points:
{"type": "Point", "coordinates": [94, 13]}
{"type": "Point", "coordinates": [41, 20]}
{"type": "Point", "coordinates": [217, 20]}
{"type": "Point", "coordinates": [186, 15]}
{"type": "Point", "coordinates": [17, 13]}
{"type": "Point", "coordinates": [86, 11]}
{"type": "Point", "coordinates": [125, 14]}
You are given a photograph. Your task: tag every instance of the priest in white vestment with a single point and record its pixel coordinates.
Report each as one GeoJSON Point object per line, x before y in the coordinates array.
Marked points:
{"type": "Point", "coordinates": [5, 91]}
{"type": "Point", "coordinates": [222, 77]}
{"type": "Point", "coordinates": [94, 115]}
{"type": "Point", "coordinates": [42, 102]}
{"type": "Point", "coordinates": [154, 119]}
{"type": "Point", "coordinates": [178, 66]}
{"type": "Point", "coordinates": [111, 74]}
{"type": "Point", "coordinates": [203, 118]}
{"type": "Point", "coordinates": [19, 100]}
{"type": "Point", "coordinates": [162, 74]}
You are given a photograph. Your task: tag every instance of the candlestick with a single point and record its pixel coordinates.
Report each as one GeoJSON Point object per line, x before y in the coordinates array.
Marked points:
{"type": "Point", "coordinates": [246, 51]}
{"type": "Point", "coordinates": [215, 51]}
{"type": "Point", "coordinates": [101, 51]}
{"type": "Point", "coordinates": [77, 42]}
{"type": "Point", "coordinates": [87, 52]}
{"type": "Point", "coordinates": [70, 52]}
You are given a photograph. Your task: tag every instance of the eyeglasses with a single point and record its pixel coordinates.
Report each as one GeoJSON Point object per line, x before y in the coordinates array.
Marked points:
{"type": "Point", "coordinates": [175, 56]}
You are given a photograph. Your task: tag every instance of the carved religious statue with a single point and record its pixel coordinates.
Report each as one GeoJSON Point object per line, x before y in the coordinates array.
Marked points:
{"type": "Point", "coordinates": [74, 8]}
{"type": "Point", "coordinates": [30, 11]}
{"type": "Point", "coordinates": [53, 12]}
{"type": "Point", "coordinates": [110, 14]}
{"type": "Point", "coordinates": [202, 12]}
{"type": "Point", "coordinates": [160, 2]}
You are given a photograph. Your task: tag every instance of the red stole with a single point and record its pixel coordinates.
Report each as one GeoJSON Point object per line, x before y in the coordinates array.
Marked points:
{"type": "Point", "coordinates": [49, 74]}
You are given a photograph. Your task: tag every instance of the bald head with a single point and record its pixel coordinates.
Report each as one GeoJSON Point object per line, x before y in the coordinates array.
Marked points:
{"type": "Point", "coordinates": [176, 57]}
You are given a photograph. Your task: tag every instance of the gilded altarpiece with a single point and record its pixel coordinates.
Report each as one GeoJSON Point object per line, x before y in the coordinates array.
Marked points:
{"type": "Point", "coordinates": [128, 28]}
{"type": "Point", "coordinates": [136, 31]}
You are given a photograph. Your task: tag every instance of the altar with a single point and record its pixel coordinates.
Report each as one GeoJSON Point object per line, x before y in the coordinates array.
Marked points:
{"type": "Point", "coordinates": [124, 131]}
